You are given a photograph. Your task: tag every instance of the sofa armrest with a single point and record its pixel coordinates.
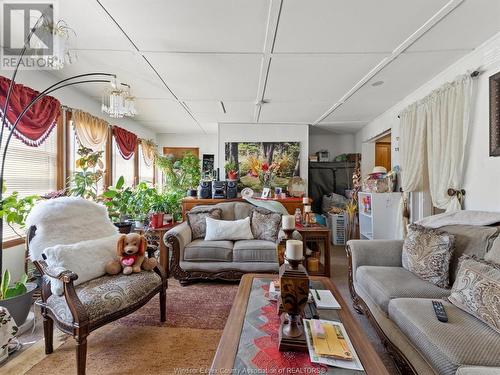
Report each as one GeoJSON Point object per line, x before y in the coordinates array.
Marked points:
{"type": "Point", "coordinates": [477, 370]}
{"type": "Point", "coordinates": [181, 234]}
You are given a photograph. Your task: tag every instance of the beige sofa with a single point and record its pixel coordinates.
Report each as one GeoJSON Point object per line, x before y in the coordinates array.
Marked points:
{"type": "Point", "coordinates": [398, 304]}
{"type": "Point", "coordinates": [227, 260]}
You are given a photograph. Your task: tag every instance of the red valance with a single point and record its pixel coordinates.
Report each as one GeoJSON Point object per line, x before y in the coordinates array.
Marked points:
{"type": "Point", "coordinates": [36, 125]}
{"type": "Point", "coordinates": [126, 141]}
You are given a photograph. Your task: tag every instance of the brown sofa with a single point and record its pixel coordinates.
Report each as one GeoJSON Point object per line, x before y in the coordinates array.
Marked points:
{"type": "Point", "coordinates": [398, 304]}
{"type": "Point", "coordinates": [226, 260]}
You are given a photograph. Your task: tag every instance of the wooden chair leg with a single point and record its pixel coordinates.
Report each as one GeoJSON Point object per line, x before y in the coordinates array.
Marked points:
{"type": "Point", "coordinates": [48, 332]}
{"type": "Point", "coordinates": [81, 354]}
{"type": "Point", "coordinates": [163, 305]}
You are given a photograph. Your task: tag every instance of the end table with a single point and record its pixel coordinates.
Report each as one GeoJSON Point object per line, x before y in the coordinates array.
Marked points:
{"type": "Point", "coordinates": [319, 237]}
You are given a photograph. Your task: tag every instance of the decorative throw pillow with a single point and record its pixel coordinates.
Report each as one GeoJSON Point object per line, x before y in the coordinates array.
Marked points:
{"type": "Point", "coordinates": [86, 258]}
{"type": "Point", "coordinates": [228, 230]}
{"type": "Point", "coordinates": [493, 255]}
{"type": "Point", "coordinates": [477, 290]}
{"type": "Point", "coordinates": [265, 224]}
{"type": "Point", "coordinates": [427, 254]}
{"type": "Point", "coordinates": [197, 220]}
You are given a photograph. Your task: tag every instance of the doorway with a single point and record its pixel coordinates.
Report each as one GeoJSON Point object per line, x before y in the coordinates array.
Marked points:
{"type": "Point", "coordinates": [383, 152]}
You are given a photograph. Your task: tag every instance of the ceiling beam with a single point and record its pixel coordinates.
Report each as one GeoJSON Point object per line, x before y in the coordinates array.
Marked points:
{"type": "Point", "coordinates": [271, 30]}
{"type": "Point", "coordinates": [429, 24]}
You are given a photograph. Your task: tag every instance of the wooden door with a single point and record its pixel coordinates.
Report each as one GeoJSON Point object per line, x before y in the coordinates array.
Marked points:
{"type": "Point", "coordinates": [383, 155]}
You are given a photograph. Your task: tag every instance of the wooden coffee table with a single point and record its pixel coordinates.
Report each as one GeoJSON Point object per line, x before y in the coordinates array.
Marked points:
{"type": "Point", "coordinates": [231, 351]}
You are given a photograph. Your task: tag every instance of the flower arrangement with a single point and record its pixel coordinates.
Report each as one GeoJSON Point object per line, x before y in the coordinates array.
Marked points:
{"type": "Point", "coordinates": [267, 173]}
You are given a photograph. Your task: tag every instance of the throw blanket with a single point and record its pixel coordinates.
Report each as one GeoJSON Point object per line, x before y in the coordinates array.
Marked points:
{"type": "Point", "coordinates": [461, 218]}
{"type": "Point", "coordinates": [269, 204]}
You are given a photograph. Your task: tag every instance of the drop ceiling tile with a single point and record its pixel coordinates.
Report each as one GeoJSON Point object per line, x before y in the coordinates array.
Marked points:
{"type": "Point", "coordinates": [466, 27]}
{"type": "Point", "coordinates": [193, 25]}
{"type": "Point", "coordinates": [316, 77]}
{"type": "Point", "coordinates": [210, 127]}
{"type": "Point", "coordinates": [223, 77]}
{"type": "Point", "coordinates": [350, 26]}
{"type": "Point", "coordinates": [341, 128]}
{"type": "Point", "coordinates": [403, 76]}
{"type": "Point", "coordinates": [211, 111]}
{"type": "Point", "coordinates": [128, 66]}
{"type": "Point", "coordinates": [305, 112]}
{"type": "Point", "coordinates": [167, 112]}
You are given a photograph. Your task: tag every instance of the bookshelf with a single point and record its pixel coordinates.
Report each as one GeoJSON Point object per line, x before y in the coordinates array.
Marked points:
{"type": "Point", "coordinates": [378, 215]}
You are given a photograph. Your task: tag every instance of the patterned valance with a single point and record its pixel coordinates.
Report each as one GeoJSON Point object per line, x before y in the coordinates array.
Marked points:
{"type": "Point", "coordinates": [149, 149]}
{"type": "Point", "coordinates": [91, 131]}
{"type": "Point", "coordinates": [126, 141]}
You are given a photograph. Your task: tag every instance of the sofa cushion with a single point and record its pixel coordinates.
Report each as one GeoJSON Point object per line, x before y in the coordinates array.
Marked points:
{"type": "Point", "coordinates": [201, 250]}
{"type": "Point", "coordinates": [463, 340]}
{"type": "Point", "coordinates": [265, 224]}
{"type": "Point", "coordinates": [242, 210]}
{"type": "Point", "coordinates": [107, 294]}
{"type": "Point", "coordinates": [254, 251]}
{"type": "Point", "coordinates": [477, 290]}
{"type": "Point", "coordinates": [493, 254]}
{"type": "Point", "coordinates": [197, 220]}
{"type": "Point", "coordinates": [427, 253]}
{"type": "Point", "coordinates": [470, 240]}
{"type": "Point", "coordinates": [386, 283]}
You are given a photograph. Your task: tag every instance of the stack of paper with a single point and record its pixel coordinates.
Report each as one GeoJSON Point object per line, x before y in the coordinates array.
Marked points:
{"type": "Point", "coordinates": [334, 349]}
{"type": "Point", "coordinates": [324, 299]}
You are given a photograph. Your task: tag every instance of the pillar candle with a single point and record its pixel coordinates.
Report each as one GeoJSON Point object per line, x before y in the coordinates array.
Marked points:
{"type": "Point", "coordinates": [307, 208]}
{"type": "Point", "coordinates": [288, 222]}
{"type": "Point", "coordinates": [305, 200]}
{"type": "Point", "coordinates": [294, 249]}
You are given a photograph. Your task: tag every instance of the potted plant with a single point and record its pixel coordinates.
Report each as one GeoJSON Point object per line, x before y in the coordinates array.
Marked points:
{"type": "Point", "coordinates": [231, 170]}
{"type": "Point", "coordinates": [183, 174]}
{"type": "Point", "coordinates": [173, 200]}
{"type": "Point", "coordinates": [117, 199]}
{"type": "Point", "coordinates": [85, 182]}
{"type": "Point", "coordinates": [16, 297]}
{"type": "Point", "coordinates": [158, 208]}
{"type": "Point", "coordinates": [140, 203]}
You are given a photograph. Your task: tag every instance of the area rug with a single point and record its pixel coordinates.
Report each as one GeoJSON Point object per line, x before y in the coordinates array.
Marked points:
{"type": "Point", "coordinates": [139, 343]}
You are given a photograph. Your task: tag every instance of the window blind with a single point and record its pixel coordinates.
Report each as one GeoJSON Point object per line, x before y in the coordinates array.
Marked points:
{"type": "Point", "coordinates": [29, 170]}
{"type": "Point", "coordinates": [122, 167]}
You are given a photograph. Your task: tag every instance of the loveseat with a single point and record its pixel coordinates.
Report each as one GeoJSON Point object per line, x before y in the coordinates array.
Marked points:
{"type": "Point", "coordinates": [398, 304]}
{"type": "Point", "coordinates": [195, 259]}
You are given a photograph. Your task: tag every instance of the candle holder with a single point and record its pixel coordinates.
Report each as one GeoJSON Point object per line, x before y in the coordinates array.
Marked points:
{"type": "Point", "coordinates": [294, 293]}
{"type": "Point", "coordinates": [288, 233]}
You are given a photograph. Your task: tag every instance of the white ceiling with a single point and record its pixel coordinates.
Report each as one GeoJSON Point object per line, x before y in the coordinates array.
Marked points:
{"type": "Point", "coordinates": [184, 57]}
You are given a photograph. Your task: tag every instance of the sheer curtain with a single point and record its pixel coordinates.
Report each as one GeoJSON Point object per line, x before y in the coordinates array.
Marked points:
{"type": "Point", "coordinates": [447, 118]}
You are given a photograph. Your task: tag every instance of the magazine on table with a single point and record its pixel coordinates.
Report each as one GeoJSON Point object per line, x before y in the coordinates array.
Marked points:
{"type": "Point", "coordinates": [352, 364]}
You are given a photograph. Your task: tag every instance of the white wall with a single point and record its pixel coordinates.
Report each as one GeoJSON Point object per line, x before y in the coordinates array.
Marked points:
{"type": "Point", "coordinates": [482, 172]}
{"type": "Point", "coordinates": [266, 133]}
{"type": "Point", "coordinates": [336, 144]}
{"type": "Point", "coordinates": [207, 143]}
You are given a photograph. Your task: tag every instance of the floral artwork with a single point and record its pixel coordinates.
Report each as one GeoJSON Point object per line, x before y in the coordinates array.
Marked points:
{"type": "Point", "coordinates": [264, 164]}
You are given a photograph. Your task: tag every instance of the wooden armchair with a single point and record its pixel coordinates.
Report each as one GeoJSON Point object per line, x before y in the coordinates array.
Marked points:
{"type": "Point", "coordinates": [95, 303]}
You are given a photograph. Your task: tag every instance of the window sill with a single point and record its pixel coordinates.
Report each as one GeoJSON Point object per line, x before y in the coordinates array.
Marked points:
{"type": "Point", "coordinates": [13, 242]}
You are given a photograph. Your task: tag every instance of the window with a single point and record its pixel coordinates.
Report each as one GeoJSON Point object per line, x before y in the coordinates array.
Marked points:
{"type": "Point", "coordinates": [122, 167]}
{"type": "Point", "coordinates": [30, 170]}
{"type": "Point", "coordinates": [73, 146]}
{"type": "Point", "coordinates": [146, 173]}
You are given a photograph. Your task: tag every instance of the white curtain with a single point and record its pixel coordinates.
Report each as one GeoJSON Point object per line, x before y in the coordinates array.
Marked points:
{"type": "Point", "coordinates": [447, 118]}
{"type": "Point", "coordinates": [412, 156]}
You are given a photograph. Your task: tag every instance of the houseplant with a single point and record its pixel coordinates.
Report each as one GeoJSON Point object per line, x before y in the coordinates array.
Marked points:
{"type": "Point", "coordinates": [16, 297]}
{"type": "Point", "coordinates": [231, 170]}
{"type": "Point", "coordinates": [85, 181]}
{"type": "Point", "coordinates": [181, 175]}
{"type": "Point", "coordinates": [140, 203]}
{"type": "Point", "coordinates": [117, 199]}
{"type": "Point", "coordinates": [158, 208]}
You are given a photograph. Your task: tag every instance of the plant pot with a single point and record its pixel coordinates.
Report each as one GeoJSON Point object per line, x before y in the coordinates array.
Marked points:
{"type": "Point", "coordinates": [139, 224]}
{"type": "Point", "coordinates": [157, 220]}
{"type": "Point", "coordinates": [19, 306]}
{"type": "Point", "coordinates": [125, 227]}
{"type": "Point", "coordinates": [192, 193]}
{"type": "Point", "coordinates": [232, 175]}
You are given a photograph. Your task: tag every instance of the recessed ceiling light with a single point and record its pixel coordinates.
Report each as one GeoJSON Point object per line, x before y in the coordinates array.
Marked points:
{"type": "Point", "coordinates": [377, 83]}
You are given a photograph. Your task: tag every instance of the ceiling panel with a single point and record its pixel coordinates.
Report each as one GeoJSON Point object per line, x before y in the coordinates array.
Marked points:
{"type": "Point", "coordinates": [306, 112]}
{"type": "Point", "coordinates": [211, 111]}
{"type": "Point", "coordinates": [193, 25]}
{"type": "Point", "coordinates": [406, 74]}
{"type": "Point", "coordinates": [350, 26]}
{"type": "Point", "coordinates": [316, 77]}
{"type": "Point", "coordinates": [341, 128]}
{"type": "Point", "coordinates": [209, 76]}
{"type": "Point", "coordinates": [469, 25]}
{"type": "Point", "coordinates": [169, 113]}
{"type": "Point", "coordinates": [128, 66]}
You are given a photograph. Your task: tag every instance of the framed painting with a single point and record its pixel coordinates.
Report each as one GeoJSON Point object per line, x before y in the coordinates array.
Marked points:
{"type": "Point", "coordinates": [254, 159]}
{"type": "Point", "coordinates": [495, 115]}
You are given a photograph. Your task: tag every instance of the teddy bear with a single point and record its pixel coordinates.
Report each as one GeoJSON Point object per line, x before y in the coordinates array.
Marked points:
{"type": "Point", "coordinates": [131, 259]}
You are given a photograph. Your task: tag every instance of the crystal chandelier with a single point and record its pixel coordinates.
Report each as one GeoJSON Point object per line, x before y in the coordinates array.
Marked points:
{"type": "Point", "coordinates": [117, 102]}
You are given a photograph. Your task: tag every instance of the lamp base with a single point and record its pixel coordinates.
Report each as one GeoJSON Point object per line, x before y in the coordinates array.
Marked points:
{"type": "Point", "coordinates": [291, 335]}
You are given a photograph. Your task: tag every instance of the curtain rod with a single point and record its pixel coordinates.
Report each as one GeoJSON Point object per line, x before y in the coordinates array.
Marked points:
{"type": "Point", "coordinates": [474, 74]}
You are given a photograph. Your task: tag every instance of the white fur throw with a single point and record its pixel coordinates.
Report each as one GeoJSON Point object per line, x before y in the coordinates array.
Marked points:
{"type": "Point", "coordinates": [228, 230]}
{"type": "Point", "coordinates": [67, 220]}
{"type": "Point", "coordinates": [87, 259]}
{"type": "Point", "coordinates": [464, 217]}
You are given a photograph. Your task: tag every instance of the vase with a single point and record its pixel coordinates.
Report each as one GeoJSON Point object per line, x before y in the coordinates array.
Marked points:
{"type": "Point", "coordinates": [19, 306]}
